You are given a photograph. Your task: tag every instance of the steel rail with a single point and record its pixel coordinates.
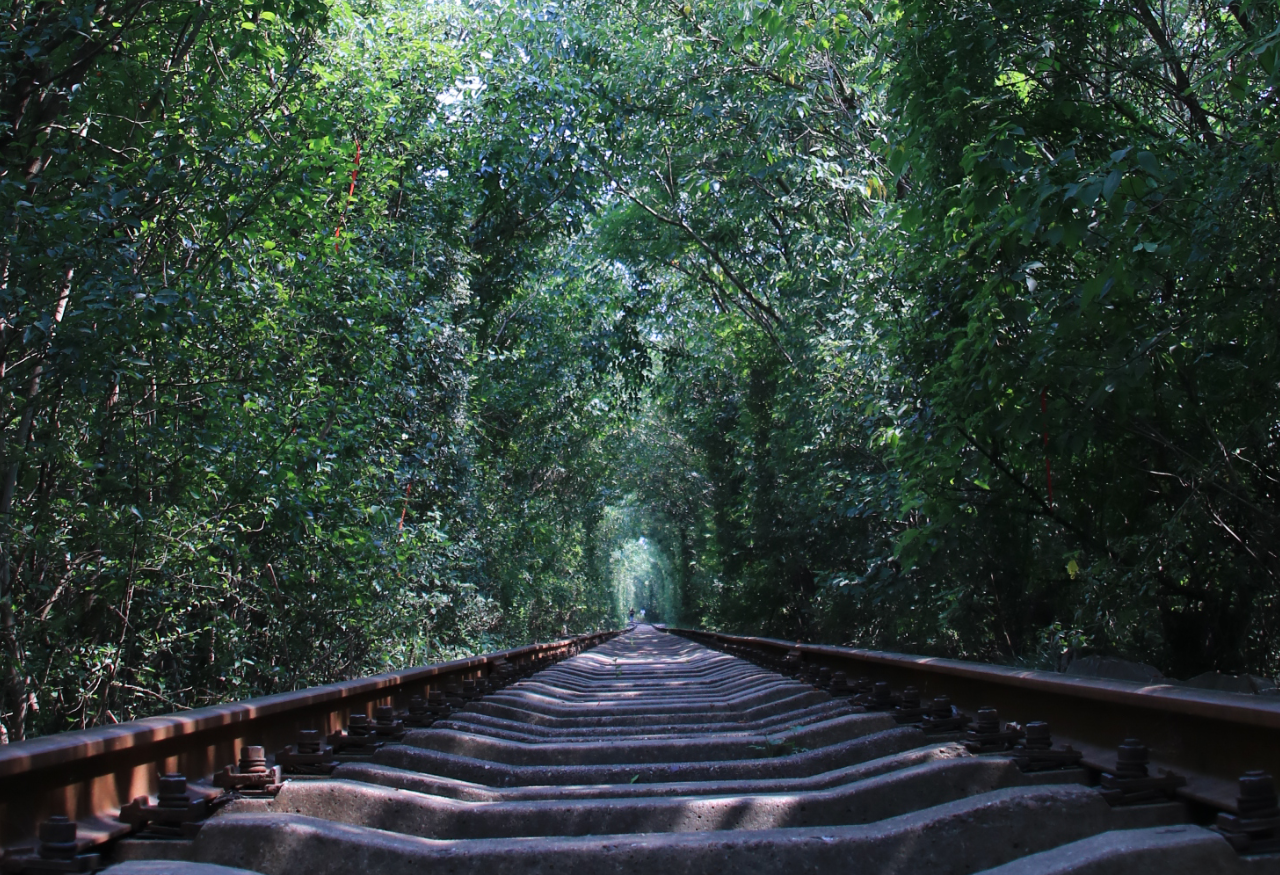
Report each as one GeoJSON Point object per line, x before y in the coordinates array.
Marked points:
{"type": "Point", "coordinates": [1209, 737]}
{"type": "Point", "coordinates": [89, 774]}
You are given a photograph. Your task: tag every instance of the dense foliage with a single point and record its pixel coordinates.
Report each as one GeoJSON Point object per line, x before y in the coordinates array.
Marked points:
{"type": "Point", "coordinates": [941, 326]}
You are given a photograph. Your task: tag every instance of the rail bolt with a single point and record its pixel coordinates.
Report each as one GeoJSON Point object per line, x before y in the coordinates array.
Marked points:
{"type": "Point", "coordinates": [385, 725]}
{"type": "Point", "coordinates": [173, 791]}
{"type": "Point", "coordinates": [421, 713]}
{"type": "Point", "coordinates": [251, 777]}
{"type": "Point", "coordinates": [1256, 829]}
{"type": "Point", "coordinates": [360, 739]}
{"type": "Point", "coordinates": [1038, 736]}
{"type": "Point", "coordinates": [941, 716]}
{"type": "Point", "coordinates": [988, 721]}
{"type": "Point", "coordinates": [1131, 784]}
{"type": "Point", "coordinates": [910, 698]}
{"type": "Point", "coordinates": [309, 741]}
{"type": "Point", "coordinates": [253, 760]}
{"type": "Point", "coordinates": [1132, 758]}
{"type": "Point", "coordinates": [55, 852]}
{"type": "Point", "coordinates": [309, 755]}
{"type": "Point", "coordinates": [176, 815]}
{"type": "Point", "coordinates": [58, 838]}
{"type": "Point", "coordinates": [1257, 795]}
{"type": "Point", "coordinates": [989, 735]}
{"type": "Point", "coordinates": [1035, 753]}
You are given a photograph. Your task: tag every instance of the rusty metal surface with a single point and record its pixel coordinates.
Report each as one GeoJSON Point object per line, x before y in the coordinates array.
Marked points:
{"type": "Point", "coordinates": [90, 774]}
{"type": "Point", "coordinates": [653, 753]}
{"type": "Point", "coordinates": [1210, 737]}
{"type": "Point", "coordinates": [656, 753]}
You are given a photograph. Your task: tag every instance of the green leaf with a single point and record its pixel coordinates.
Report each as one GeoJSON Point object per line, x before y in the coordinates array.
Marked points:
{"type": "Point", "coordinates": [1111, 183]}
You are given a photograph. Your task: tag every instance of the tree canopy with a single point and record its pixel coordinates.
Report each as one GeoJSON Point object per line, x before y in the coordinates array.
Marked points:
{"type": "Point", "coordinates": [341, 335]}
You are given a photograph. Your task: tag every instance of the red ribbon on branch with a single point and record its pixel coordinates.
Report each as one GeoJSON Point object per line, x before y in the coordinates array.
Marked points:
{"type": "Point", "coordinates": [337, 232]}
{"type": "Point", "coordinates": [404, 510]}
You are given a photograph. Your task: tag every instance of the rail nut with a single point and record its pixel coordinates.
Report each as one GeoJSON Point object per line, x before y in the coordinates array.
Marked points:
{"type": "Point", "coordinates": [1256, 828]}
{"type": "Point", "coordinates": [56, 851]}
{"type": "Point", "coordinates": [359, 740]}
{"type": "Point", "coordinates": [823, 680]}
{"type": "Point", "coordinates": [175, 814]}
{"type": "Point", "coordinates": [57, 838]}
{"type": "Point", "coordinates": [309, 755]}
{"type": "Point", "coordinates": [500, 673]}
{"type": "Point", "coordinates": [1131, 784]}
{"type": "Point", "coordinates": [988, 721]}
{"type": "Point", "coordinates": [419, 715]}
{"type": "Point", "coordinates": [437, 705]}
{"type": "Point", "coordinates": [1132, 758]}
{"type": "Point", "coordinates": [453, 696]}
{"type": "Point", "coordinates": [873, 697]}
{"type": "Point", "coordinates": [942, 716]}
{"type": "Point", "coordinates": [251, 776]}
{"type": "Point", "coordinates": [386, 726]}
{"type": "Point", "coordinates": [1258, 795]}
{"type": "Point", "coordinates": [1035, 752]}
{"type": "Point", "coordinates": [1038, 736]}
{"type": "Point", "coordinates": [987, 735]}
{"type": "Point", "coordinates": [840, 685]}
{"type": "Point", "coordinates": [909, 709]}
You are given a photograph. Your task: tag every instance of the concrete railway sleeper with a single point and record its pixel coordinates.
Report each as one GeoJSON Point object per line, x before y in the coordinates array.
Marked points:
{"type": "Point", "coordinates": [654, 753]}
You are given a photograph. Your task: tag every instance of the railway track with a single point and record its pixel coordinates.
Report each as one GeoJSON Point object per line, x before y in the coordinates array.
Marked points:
{"type": "Point", "coordinates": [653, 752]}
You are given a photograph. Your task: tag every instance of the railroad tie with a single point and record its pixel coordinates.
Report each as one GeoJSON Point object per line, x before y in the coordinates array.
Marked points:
{"type": "Point", "coordinates": [654, 754]}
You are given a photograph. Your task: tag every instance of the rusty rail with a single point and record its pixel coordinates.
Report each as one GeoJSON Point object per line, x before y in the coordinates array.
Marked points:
{"type": "Point", "coordinates": [1209, 737]}
{"type": "Point", "coordinates": [89, 774]}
